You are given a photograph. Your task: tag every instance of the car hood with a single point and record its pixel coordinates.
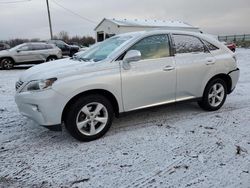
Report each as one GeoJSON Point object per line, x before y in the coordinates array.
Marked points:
{"type": "Point", "coordinates": [61, 69]}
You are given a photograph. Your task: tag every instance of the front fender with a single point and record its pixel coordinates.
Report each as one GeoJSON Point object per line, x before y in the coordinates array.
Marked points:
{"type": "Point", "coordinates": [108, 80]}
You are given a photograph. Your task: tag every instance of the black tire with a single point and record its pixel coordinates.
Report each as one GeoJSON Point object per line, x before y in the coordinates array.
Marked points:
{"type": "Point", "coordinates": [74, 112]}
{"type": "Point", "coordinates": [205, 102]}
{"type": "Point", "coordinates": [7, 63]}
{"type": "Point", "coordinates": [51, 58]}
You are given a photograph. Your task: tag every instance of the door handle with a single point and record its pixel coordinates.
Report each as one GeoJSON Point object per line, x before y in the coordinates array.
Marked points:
{"type": "Point", "coordinates": [168, 68]}
{"type": "Point", "coordinates": [210, 61]}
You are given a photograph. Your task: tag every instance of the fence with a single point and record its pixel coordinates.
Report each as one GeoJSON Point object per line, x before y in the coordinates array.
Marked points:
{"type": "Point", "coordinates": [235, 38]}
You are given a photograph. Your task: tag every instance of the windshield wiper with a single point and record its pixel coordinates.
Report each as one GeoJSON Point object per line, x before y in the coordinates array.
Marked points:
{"type": "Point", "coordinates": [80, 58]}
{"type": "Point", "coordinates": [84, 59]}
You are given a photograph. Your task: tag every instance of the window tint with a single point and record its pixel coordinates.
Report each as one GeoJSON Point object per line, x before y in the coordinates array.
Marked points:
{"type": "Point", "coordinates": [187, 44]}
{"type": "Point", "coordinates": [210, 46]}
{"type": "Point", "coordinates": [153, 47]}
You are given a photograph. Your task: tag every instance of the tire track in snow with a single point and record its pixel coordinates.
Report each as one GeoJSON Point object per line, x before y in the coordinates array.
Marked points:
{"type": "Point", "coordinates": [146, 180]}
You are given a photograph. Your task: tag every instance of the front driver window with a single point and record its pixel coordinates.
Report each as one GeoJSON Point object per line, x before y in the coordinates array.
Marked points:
{"type": "Point", "coordinates": [24, 48]}
{"type": "Point", "coordinates": [153, 47]}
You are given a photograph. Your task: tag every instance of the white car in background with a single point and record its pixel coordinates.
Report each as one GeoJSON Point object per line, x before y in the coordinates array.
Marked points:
{"type": "Point", "coordinates": [29, 53]}
{"type": "Point", "coordinates": [124, 73]}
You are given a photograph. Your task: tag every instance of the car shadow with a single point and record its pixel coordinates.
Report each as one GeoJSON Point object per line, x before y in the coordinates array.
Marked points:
{"type": "Point", "coordinates": [159, 115]}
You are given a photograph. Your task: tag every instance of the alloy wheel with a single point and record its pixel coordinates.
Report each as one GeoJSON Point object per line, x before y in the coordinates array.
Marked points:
{"type": "Point", "coordinates": [216, 95]}
{"type": "Point", "coordinates": [92, 119]}
{"type": "Point", "coordinates": [7, 64]}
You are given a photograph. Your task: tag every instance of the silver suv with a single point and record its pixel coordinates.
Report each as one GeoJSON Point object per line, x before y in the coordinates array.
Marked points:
{"type": "Point", "coordinates": [29, 53]}
{"type": "Point", "coordinates": [124, 73]}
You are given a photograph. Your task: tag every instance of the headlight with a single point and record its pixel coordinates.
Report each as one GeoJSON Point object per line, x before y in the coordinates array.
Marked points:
{"type": "Point", "coordinates": [39, 85]}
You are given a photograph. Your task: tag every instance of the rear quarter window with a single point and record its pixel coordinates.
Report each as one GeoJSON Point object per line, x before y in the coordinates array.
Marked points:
{"type": "Point", "coordinates": [210, 46]}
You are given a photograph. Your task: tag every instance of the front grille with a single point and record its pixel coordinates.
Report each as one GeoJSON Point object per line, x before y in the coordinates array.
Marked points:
{"type": "Point", "coordinates": [19, 84]}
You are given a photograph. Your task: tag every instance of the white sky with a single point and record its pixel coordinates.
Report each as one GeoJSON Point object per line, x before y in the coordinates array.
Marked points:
{"type": "Point", "coordinates": [30, 20]}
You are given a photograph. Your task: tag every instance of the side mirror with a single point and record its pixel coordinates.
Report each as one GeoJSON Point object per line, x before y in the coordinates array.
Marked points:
{"type": "Point", "coordinates": [131, 56]}
{"type": "Point", "coordinates": [18, 51]}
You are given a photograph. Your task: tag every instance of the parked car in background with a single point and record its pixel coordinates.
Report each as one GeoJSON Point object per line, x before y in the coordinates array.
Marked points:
{"type": "Point", "coordinates": [4, 46]}
{"type": "Point", "coordinates": [29, 53]}
{"type": "Point", "coordinates": [67, 49]}
{"type": "Point", "coordinates": [124, 73]}
{"type": "Point", "coordinates": [230, 45]}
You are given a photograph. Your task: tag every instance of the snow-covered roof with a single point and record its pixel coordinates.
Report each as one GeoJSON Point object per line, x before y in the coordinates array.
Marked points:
{"type": "Point", "coordinates": [147, 23]}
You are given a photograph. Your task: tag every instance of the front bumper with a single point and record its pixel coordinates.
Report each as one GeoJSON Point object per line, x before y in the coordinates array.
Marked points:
{"type": "Point", "coordinates": [234, 75]}
{"type": "Point", "coordinates": [45, 107]}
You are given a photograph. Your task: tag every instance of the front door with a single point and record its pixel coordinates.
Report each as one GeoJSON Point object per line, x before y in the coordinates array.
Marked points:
{"type": "Point", "coordinates": [25, 54]}
{"type": "Point", "coordinates": [152, 80]}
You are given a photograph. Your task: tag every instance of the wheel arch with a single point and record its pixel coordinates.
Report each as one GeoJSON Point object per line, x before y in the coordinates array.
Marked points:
{"type": "Point", "coordinates": [102, 92]}
{"type": "Point", "coordinates": [224, 77]}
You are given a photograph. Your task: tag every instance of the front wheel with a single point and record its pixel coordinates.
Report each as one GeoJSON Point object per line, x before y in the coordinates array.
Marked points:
{"type": "Point", "coordinates": [7, 63]}
{"type": "Point", "coordinates": [89, 118]}
{"type": "Point", "coordinates": [214, 95]}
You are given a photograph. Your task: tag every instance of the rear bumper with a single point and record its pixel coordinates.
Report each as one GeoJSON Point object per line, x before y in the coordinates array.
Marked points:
{"type": "Point", "coordinates": [234, 75]}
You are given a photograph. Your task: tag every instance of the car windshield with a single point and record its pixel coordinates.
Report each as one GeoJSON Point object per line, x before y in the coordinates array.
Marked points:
{"type": "Point", "coordinates": [102, 50]}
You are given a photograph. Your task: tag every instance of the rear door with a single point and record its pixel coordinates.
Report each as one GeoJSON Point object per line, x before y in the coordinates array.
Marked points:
{"type": "Point", "coordinates": [194, 65]}
{"type": "Point", "coordinates": [40, 52]}
{"type": "Point", "coordinates": [150, 81]}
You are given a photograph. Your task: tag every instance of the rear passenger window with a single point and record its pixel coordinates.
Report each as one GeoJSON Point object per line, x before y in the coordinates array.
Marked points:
{"type": "Point", "coordinates": [48, 46]}
{"type": "Point", "coordinates": [210, 46]}
{"type": "Point", "coordinates": [187, 44]}
{"type": "Point", "coordinates": [153, 47]}
{"type": "Point", "coordinates": [39, 47]}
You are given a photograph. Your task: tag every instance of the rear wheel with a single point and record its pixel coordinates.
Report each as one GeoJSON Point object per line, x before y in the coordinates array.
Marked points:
{"type": "Point", "coordinates": [7, 63]}
{"type": "Point", "coordinates": [214, 95]}
{"type": "Point", "coordinates": [89, 118]}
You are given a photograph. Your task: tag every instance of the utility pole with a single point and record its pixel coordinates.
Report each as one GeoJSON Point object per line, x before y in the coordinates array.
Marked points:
{"type": "Point", "coordinates": [50, 26]}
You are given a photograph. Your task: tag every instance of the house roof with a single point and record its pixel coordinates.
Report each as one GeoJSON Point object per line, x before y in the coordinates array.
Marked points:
{"type": "Point", "coordinates": [147, 23]}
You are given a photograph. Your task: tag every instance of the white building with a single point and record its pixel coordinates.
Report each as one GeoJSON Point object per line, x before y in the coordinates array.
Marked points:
{"type": "Point", "coordinates": [110, 27]}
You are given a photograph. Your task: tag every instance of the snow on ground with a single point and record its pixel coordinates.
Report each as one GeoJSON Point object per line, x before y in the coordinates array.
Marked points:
{"type": "Point", "coordinates": [171, 146]}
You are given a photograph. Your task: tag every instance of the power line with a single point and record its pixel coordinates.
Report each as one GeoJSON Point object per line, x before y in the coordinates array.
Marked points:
{"type": "Point", "coordinates": [72, 12]}
{"type": "Point", "coordinates": [10, 2]}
